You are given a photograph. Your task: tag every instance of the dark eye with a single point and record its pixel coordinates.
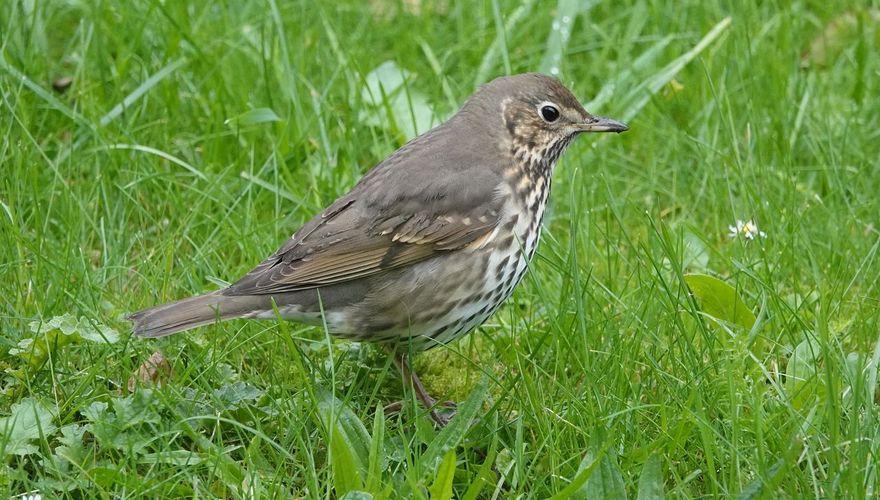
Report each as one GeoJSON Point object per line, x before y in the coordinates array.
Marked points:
{"type": "Point", "coordinates": [549, 113]}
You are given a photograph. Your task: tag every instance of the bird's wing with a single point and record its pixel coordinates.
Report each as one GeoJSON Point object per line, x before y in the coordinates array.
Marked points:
{"type": "Point", "coordinates": [352, 240]}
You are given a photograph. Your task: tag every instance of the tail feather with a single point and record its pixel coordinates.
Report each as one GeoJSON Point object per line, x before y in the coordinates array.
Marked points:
{"type": "Point", "coordinates": [189, 313]}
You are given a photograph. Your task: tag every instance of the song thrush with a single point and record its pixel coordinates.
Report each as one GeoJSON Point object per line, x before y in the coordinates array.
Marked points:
{"type": "Point", "coordinates": [428, 244]}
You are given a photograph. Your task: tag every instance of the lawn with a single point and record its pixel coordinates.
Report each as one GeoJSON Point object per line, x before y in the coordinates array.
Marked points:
{"type": "Point", "coordinates": [154, 150]}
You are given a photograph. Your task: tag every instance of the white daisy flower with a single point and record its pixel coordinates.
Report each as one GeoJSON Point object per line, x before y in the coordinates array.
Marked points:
{"type": "Point", "coordinates": [748, 230]}
{"type": "Point", "coordinates": [31, 495]}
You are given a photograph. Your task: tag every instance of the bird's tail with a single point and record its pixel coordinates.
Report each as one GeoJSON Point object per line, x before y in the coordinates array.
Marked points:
{"type": "Point", "coordinates": [189, 313]}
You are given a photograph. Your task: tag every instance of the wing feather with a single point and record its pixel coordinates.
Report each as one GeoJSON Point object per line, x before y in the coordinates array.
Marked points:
{"type": "Point", "coordinates": [340, 246]}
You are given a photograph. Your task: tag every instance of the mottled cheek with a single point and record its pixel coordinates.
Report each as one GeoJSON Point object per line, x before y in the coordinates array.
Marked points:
{"type": "Point", "coordinates": [525, 126]}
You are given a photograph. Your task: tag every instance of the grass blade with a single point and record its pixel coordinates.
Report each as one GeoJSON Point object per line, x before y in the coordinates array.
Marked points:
{"type": "Point", "coordinates": [348, 441]}
{"type": "Point", "coordinates": [499, 45]}
{"type": "Point", "coordinates": [651, 480]}
{"type": "Point", "coordinates": [377, 458]}
{"type": "Point", "coordinates": [281, 193]}
{"type": "Point", "coordinates": [45, 95]}
{"type": "Point", "coordinates": [577, 487]}
{"type": "Point", "coordinates": [162, 154]}
{"type": "Point", "coordinates": [557, 40]}
{"type": "Point", "coordinates": [623, 77]}
{"type": "Point", "coordinates": [441, 488]}
{"type": "Point", "coordinates": [607, 482]}
{"type": "Point", "coordinates": [454, 432]}
{"type": "Point", "coordinates": [142, 89]}
{"type": "Point", "coordinates": [637, 99]}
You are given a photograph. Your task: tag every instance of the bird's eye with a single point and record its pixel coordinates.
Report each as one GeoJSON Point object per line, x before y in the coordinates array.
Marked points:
{"type": "Point", "coordinates": [549, 113]}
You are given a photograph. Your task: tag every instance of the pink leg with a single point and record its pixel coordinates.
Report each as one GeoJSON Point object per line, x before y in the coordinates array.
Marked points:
{"type": "Point", "coordinates": [427, 401]}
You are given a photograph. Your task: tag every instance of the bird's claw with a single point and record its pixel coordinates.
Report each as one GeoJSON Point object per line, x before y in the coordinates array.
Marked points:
{"type": "Point", "coordinates": [440, 413]}
{"type": "Point", "coordinates": [441, 418]}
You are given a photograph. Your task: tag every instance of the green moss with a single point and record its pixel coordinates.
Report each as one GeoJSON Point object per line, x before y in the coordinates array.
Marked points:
{"type": "Point", "coordinates": [451, 372]}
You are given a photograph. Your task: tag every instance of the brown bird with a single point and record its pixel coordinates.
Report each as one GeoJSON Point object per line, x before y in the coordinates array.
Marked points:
{"type": "Point", "coordinates": [428, 244]}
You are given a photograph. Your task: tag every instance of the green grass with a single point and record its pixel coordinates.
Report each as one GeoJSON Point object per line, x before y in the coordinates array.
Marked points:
{"type": "Point", "coordinates": [602, 374]}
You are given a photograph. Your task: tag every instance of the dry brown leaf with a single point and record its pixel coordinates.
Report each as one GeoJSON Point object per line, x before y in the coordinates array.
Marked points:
{"type": "Point", "coordinates": [839, 33]}
{"type": "Point", "coordinates": [156, 370]}
{"type": "Point", "coordinates": [62, 84]}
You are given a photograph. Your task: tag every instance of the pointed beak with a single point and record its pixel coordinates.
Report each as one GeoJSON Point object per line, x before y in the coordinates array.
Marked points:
{"type": "Point", "coordinates": [602, 124]}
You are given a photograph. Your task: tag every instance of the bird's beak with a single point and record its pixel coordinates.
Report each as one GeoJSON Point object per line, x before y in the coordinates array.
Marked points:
{"type": "Point", "coordinates": [601, 124]}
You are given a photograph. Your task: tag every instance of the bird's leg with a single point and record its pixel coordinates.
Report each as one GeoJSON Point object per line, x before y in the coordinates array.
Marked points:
{"type": "Point", "coordinates": [427, 401]}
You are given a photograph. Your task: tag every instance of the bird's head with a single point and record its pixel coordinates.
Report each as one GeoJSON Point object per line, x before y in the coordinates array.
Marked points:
{"type": "Point", "coordinates": [540, 116]}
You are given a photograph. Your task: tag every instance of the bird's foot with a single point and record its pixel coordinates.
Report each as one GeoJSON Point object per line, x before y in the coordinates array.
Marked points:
{"type": "Point", "coordinates": [441, 413]}
{"type": "Point", "coordinates": [444, 413]}
{"type": "Point", "coordinates": [440, 417]}
{"type": "Point", "coordinates": [392, 408]}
